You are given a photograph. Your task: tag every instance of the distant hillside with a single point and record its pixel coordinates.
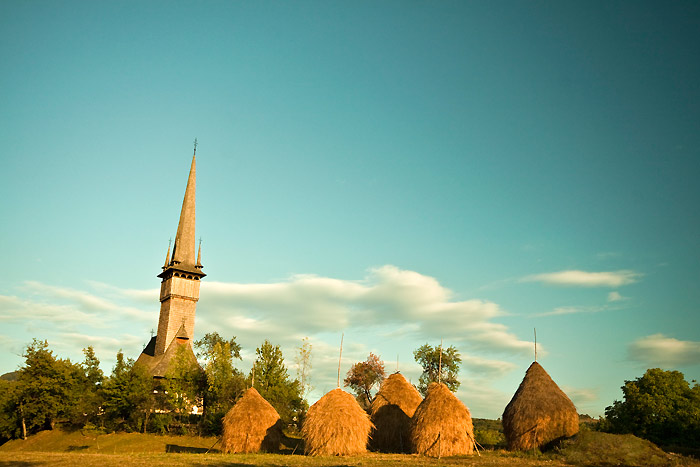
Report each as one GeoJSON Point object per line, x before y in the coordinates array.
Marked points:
{"type": "Point", "coordinates": [12, 376]}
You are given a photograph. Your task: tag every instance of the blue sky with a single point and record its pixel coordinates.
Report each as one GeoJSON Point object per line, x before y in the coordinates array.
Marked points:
{"type": "Point", "coordinates": [401, 172]}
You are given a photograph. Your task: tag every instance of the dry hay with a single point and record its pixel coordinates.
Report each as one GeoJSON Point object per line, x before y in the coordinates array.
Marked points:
{"type": "Point", "coordinates": [442, 425]}
{"type": "Point", "coordinates": [336, 425]}
{"type": "Point", "coordinates": [251, 425]}
{"type": "Point", "coordinates": [391, 411]}
{"type": "Point", "coordinates": [538, 413]}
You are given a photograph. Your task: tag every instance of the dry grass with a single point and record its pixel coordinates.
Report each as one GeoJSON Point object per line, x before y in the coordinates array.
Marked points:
{"type": "Point", "coordinates": [336, 425]}
{"type": "Point", "coordinates": [252, 425]}
{"type": "Point", "coordinates": [137, 450]}
{"type": "Point", "coordinates": [392, 409]}
{"type": "Point", "coordinates": [442, 425]}
{"type": "Point", "coordinates": [539, 412]}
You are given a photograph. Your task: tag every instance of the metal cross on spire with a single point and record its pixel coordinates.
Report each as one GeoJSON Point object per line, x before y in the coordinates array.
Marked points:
{"type": "Point", "coordinates": [195, 146]}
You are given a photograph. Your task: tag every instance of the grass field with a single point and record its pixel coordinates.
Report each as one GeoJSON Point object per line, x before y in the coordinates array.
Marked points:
{"type": "Point", "coordinates": [57, 448]}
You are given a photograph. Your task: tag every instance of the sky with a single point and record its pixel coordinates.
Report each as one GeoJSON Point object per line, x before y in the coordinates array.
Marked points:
{"type": "Point", "coordinates": [394, 172]}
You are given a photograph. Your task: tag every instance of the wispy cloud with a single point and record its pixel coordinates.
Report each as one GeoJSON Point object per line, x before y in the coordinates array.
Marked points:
{"type": "Point", "coordinates": [403, 307]}
{"type": "Point", "coordinates": [581, 396]}
{"type": "Point", "coordinates": [570, 310]}
{"type": "Point", "coordinates": [387, 296]}
{"type": "Point", "coordinates": [660, 350]}
{"type": "Point", "coordinates": [615, 297]}
{"type": "Point", "coordinates": [586, 279]}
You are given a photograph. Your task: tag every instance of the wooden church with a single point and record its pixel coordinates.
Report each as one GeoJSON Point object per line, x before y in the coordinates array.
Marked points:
{"type": "Point", "coordinates": [179, 291]}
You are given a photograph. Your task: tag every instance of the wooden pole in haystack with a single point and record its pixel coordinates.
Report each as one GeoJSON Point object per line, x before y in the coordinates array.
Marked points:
{"type": "Point", "coordinates": [340, 357]}
{"type": "Point", "coordinates": [440, 363]}
{"type": "Point", "coordinates": [535, 329]}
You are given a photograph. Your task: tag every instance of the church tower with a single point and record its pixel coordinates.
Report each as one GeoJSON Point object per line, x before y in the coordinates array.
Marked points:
{"type": "Point", "coordinates": [179, 290]}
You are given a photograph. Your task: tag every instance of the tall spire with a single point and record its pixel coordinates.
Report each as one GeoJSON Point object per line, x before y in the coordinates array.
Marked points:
{"type": "Point", "coordinates": [167, 257]}
{"type": "Point", "coordinates": [199, 256]}
{"type": "Point", "coordinates": [183, 250]}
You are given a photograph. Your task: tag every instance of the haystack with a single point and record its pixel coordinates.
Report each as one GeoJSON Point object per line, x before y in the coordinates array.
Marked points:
{"type": "Point", "coordinates": [251, 425]}
{"type": "Point", "coordinates": [538, 413]}
{"type": "Point", "coordinates": [442, 425]}
{"type": "Point", "coordinates": [336, 425]}
{"type": "Point", "coordinates": [391, 413]}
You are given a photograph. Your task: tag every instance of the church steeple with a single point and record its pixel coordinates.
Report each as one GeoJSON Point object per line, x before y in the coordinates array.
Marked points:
{"type": "Point", "coordinates": [179, 291]}
{"type": "Point", "coordinates": [183, 250]}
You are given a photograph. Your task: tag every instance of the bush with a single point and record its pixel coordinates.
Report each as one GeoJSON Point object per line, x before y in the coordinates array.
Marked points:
{"type": "Point", "coordinates": [659, 406]}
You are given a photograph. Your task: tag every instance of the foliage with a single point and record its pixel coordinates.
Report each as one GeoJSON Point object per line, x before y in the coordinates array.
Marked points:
{"type": "Point", "coordinates": [489, 433]}
{"type": "Point", "coordinates": [10, 421]}
{"type": "Point", "coordinates": [129, 396]}
{"type": "Point", "coordinates": [207, 343]}
{"type": "Point", "coordinates": [436, 367]}
{"type": "Point", "coordinates": [364, 376]}
{"type": "Point", "coordinates": [303, 361]}
{"type": "Point", "coordinates": [659, 406]}
{"type": "Point", "coordinates": [88, 379]}
{"type": "Point", "coordinates": [184, 383]}
{"type": "Point", "coordinates": [48, 388]}
{"type": "Point", "coordinates": [490, 438]}
{"type": "Point", "coordinates": [224, 383]}
{"type": "Point", "coordinates": [269, 376]}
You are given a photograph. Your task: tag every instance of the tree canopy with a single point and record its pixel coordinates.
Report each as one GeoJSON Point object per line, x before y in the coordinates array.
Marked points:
{"type": "Point", "coordinates": [436, 367]}
{"type": "Point", "coordinates": [269, 376]}
{"type": "Point", "coordinates": [364, 376]}
{"type": "Point", "coordinates": [660, 406]}
{"type": "Point", "coordinates": [224, 383]}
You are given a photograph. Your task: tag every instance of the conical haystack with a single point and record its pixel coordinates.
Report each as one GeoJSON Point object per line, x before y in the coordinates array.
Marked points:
{"type": "Point", "coordinates": [392, 409]}
{"type": "Point", "coordinates": [538, 413]}
{"type": "Point", "coordinates": [336, 425]}
{"type": "Point", "coordinates": [251, 425]}
{"type": "Point", "coordinates": [442, 425]}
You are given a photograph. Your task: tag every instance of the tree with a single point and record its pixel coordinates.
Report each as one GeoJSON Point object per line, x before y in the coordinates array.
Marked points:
{"type": "Point", "coordinates": [224, 383]}
{"type": "Point", "coordinates": [659, 406]}
{"type": "Point", "coordinates": [128, 395]}
{"type": "Point", "coordinates": [46, 387]}
{"type": "Point", "coordinates": [184, 383]}
{"type": "Point", "coordinates": [437, 367]}
{"type": "Point", "coordinates": [88, 390]}
{"type": "Point", "coordinates": [10, 421]}
{"type": "Point", "coordinates": [364, 376]}
{"type": "Point", "coordinates": [269, 376]}
{"type": "Point", "coordinates": [303, 361]}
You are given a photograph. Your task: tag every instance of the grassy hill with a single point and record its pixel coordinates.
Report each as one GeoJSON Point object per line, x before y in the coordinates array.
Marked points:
{"type": "Point", "coordinates": [59, 448]}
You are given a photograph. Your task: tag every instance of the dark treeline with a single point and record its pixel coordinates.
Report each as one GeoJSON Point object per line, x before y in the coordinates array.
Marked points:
{"type": "Point", "coordinates": [48, 391]}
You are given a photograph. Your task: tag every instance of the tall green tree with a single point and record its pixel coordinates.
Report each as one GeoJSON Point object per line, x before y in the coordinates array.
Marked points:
{"type": "Point", "coordinates": [269, 376]}
{"type": "Point", "coordinates": [46, 387]}
{"type": "Point", "coordinates": [224, 383]}
{"type": "Point", "coordinates": [87, 401]}
{"type": "Point", "coordinates": [185, 383]}
{"type": "Point", "coordinates": [439, 364]}
{"type": "Point", "coordinates": [128, 396]}
{"type": "Point", "coordinates": [660, 406]}
{"type": "Point", "coordinates": [363, 377]}
{"type": "Point", "coordinates": [10, 421]}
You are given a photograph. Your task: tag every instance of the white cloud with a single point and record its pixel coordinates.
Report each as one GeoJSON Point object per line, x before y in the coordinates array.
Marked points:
{"type": "Point", "coordinates": [663, 351]}
{"type": "Point", "coordinates": [580, 396]}
{"type": "Point", "coordinates": [570, 310]}
{"type": "Point", "coordinates": [388, 296]}
{"type": "Point", "coordinates": [487, 368]}
{"type": "Point", "coordinates": [615, 297]}
{"type": "Point", "coordinates": [388, 310]}
{"type": "Point", "coordinates": [482, 400]}
{"type": "Point", "coordinates": [586, 279]}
